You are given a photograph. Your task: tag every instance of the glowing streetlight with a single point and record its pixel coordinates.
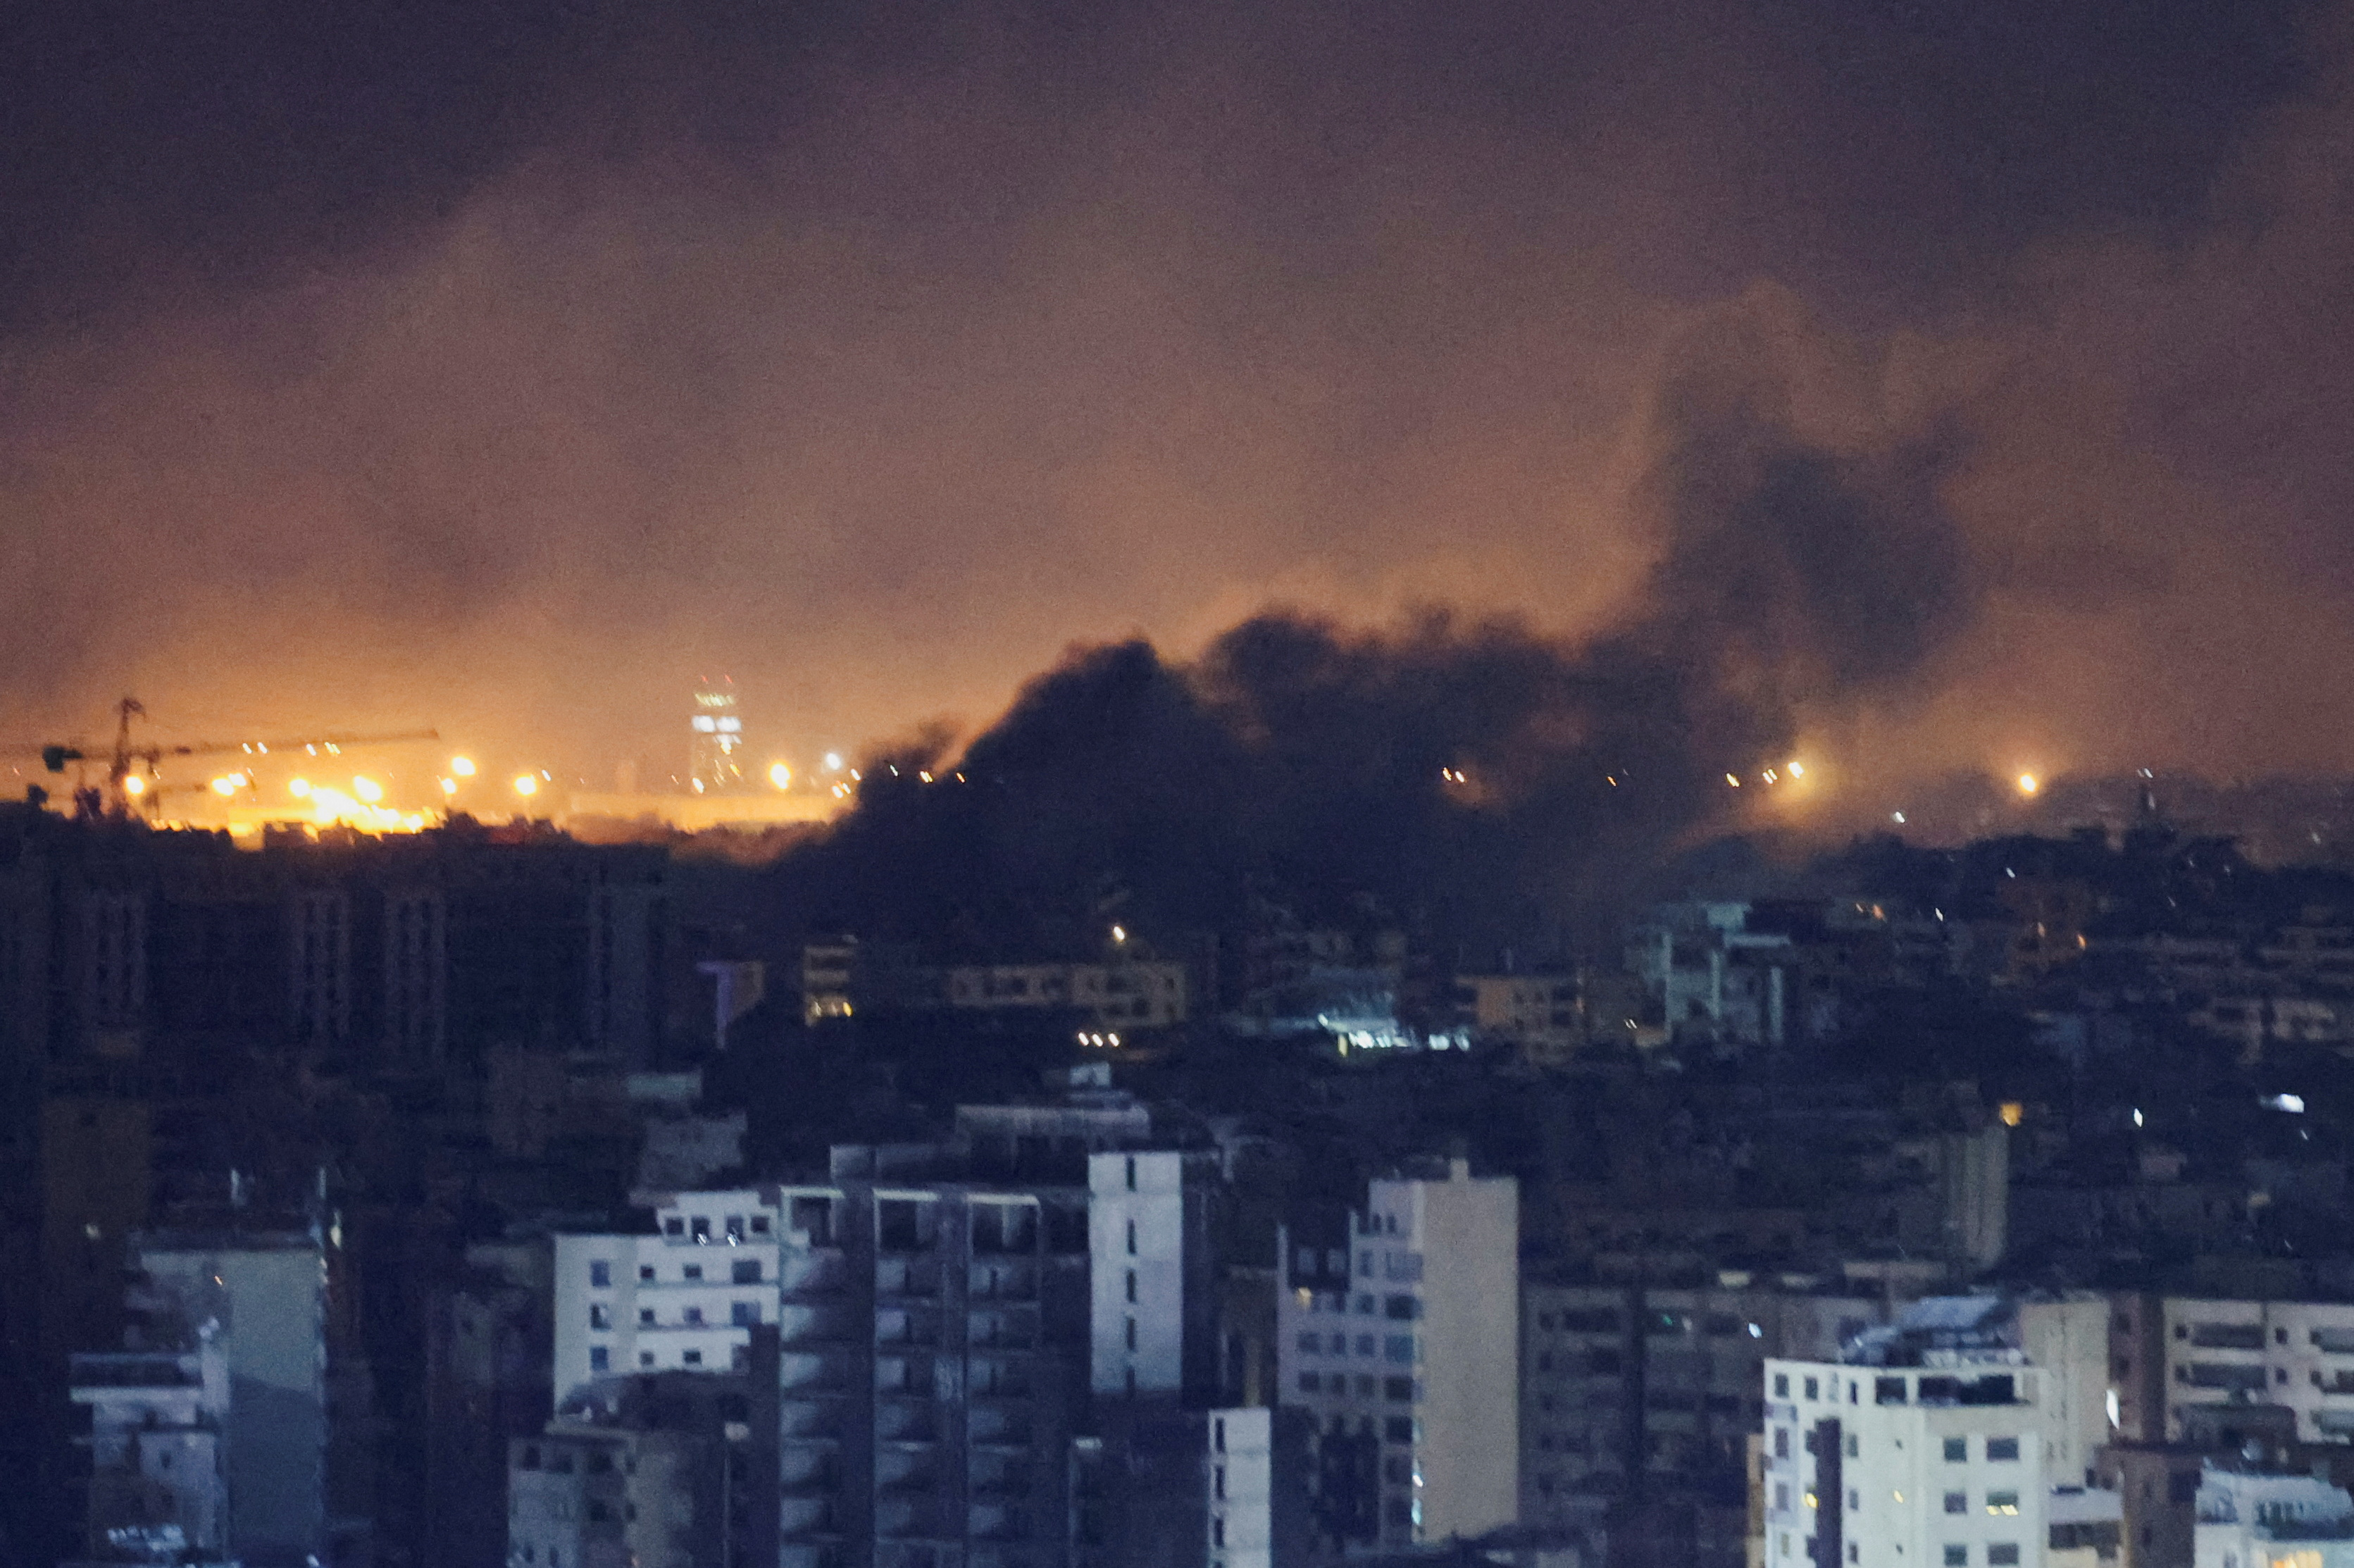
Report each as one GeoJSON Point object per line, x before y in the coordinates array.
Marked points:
{"type": "Point", "coordinates": [134, 785]}
{"type": "Point", "coordinates": [299, 788]}
{"type": "Point", "coordinates": [367, 789]}
{"type": "Point", "coordinates": [224, 786]}
{"type": "Point", "coordinates": [463, 766]}
{"type": "Point", "coordinates": [1796, 770]}
{"type": "Point", "coordinates": [1120, 933]}
{"type": "Point", "coordinates": [779, 775]}
{"type": "Point", "coordinates": [834, 762]}
{"type": "Point", "coordinates": [525, 784]}
{"type": "Point", "coordinates": [449, 786]}
{"type": "Point", "coordinates": [2029, 784]}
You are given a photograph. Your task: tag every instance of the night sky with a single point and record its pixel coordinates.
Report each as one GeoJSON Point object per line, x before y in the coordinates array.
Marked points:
{"type": "Point", "coordinates": [504, 366]}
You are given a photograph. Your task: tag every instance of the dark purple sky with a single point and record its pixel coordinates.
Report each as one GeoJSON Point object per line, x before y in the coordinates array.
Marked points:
{"type": "Point", "coordinates": [503, 367]}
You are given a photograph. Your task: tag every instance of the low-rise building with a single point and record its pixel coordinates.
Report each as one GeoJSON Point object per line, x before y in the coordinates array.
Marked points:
{"type": "Point", "coordinates": [2249, 1520]}
{"type": "Point", "coordinates": [159, 1480]}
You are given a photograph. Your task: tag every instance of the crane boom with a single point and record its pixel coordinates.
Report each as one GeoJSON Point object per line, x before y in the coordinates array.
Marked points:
{"type": "Point", "coordinates": [124, 756]}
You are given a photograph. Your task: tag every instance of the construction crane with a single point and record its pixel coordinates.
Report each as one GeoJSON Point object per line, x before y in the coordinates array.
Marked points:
{"type": "Point", "coordinates": [127, 788]}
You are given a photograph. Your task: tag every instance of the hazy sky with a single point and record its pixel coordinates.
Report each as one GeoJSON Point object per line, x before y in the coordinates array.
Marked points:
{"type": "Point", "coordinates": [503, 368]}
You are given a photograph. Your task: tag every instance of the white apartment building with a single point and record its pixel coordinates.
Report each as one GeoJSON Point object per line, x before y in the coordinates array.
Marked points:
{"type": "Point", "coordinates": [1136, 1265]}
{"type": "Point", "coordinates": [1905, 1466]}
{"type": "Point", "coordinates": [1240, 1508]}
{"type": "Point", "coordinates": [1410, 1350]}
{"type": "Point", "coordinates": [684, 1298]}
{"type": "Point", "coordinates": [2272, 1521]}
{"type": "Point", "coordinates": [2069, 1338]}
{"type": "Point", "coordinates": [2299, 1354]}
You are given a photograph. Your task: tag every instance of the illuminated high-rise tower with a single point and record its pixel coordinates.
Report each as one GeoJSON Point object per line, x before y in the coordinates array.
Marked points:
{"type": "Point", "coordinates": [715, 746]}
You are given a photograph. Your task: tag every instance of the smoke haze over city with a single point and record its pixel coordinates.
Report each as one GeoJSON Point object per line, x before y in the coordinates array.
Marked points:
{"type": "Point", "coordinates": [1941, 391]}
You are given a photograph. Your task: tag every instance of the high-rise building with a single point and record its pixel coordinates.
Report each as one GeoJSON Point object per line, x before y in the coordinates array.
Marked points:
{"type": "Point", "coordinates": [267, 1294]}
{"type": "Point", "coordinates": [1925, 1446]}
{"type": "Point", "coordinates": [976, 1341]}
{"type": "Point", "coordinates": [715, 760]}
{"type": "Point", "coordinates": [1403, 1347]}
{"type": "Point", "coordinates": [213, 1435]}
{"type": "Point", "coordinates": [1644, 1398]}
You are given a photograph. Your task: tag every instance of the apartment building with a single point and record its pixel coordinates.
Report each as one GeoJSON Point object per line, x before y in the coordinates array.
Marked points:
{"type": "Point", "coordinates": [2247, 1518]}
{"type": "Point", "coordinates": [684, 1298]}
{"type": "Point", "coordinates": [1926, 1446]}
{"type": "Point", "coordinates": [2294, 1354]}
{"type": "Point", "coordinates": [1631, 1394]}
{"type": "Point", "coordinates": [1399, 1343]}
{"type": "Point", "coordinates": [159, 1472]}
{"type": "Point", "coordinates": [950, 1336]}
{"type": "Point", "coordinates": [652, 1470]}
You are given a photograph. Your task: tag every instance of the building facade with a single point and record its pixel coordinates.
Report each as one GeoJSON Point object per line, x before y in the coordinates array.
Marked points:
{"type": "Point", "coordinates": [1401, 1350]}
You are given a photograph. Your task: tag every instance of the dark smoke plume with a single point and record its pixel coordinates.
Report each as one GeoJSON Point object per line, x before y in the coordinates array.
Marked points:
{"type": "Point", "coordinates": [1479, 782]}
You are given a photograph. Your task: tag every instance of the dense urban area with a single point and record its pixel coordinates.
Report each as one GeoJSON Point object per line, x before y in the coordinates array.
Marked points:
{"type": "Point", "coordinates": [485, 1196]}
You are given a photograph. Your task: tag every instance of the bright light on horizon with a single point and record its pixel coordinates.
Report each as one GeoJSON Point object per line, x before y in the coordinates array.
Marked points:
{"type": "Point", "coordinates": [779, 775]}
{"type": "Point", "coordinates": [525, 784]}
{"type": "Point", "coordinates": [367, 789]}
{"type": "Point", "coordinates": [463, 766]}
{"type": "Point", "coordinates": [2029, 784]}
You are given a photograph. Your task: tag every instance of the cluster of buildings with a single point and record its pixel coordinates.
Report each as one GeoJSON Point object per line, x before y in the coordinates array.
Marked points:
{"type": "Point", "coordinates": [457, 1199]}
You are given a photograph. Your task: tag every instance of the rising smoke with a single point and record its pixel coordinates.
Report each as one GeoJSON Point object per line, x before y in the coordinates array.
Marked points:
{"type": "Point", "coordinates": [1471, 778]}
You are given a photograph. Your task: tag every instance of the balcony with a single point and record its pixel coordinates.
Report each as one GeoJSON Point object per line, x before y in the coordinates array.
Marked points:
{"type": "Point", "coordinates": [2227, 1336]}
{"type": "Point", "coordinates": [905, 1472]}
{"type": "Point", "coordinates": [818, 1371]}
{"type": "Point", "coordinates": [810, 1420]}
{"type": "Point", "coordinates": [804, 1472]}
{"type": "Point", "coordinates": [997, 1377]}
{"type": "Point", "coordinates": [906, 1421]}
{"type": "Point", "coordinates": [807, 1519]}
{"type": "Point", "coordinates": [997, 1521]}
{"type": "Point", "coordinates": [901, 1326]}
{"type": "Point", "coordinates": [1003, 1279]}
{"type": "Point", "coordinates": [2231, 1376]}
{"type": "Point", "coordinates": [1009, 1330]}
{"type": "Point", "coordinates": [813, 1274]}
{"type": "Point", "coordinates": [912, 1517]}
{"type": "Point", "coordinates": [910, 1376]}
{"type": "Point", "coordinates": [997, 1426]}
{"type": "Point", "coordinates": [906, 1277]}
{"type": "Point", "coordinates": [815, 1326]}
